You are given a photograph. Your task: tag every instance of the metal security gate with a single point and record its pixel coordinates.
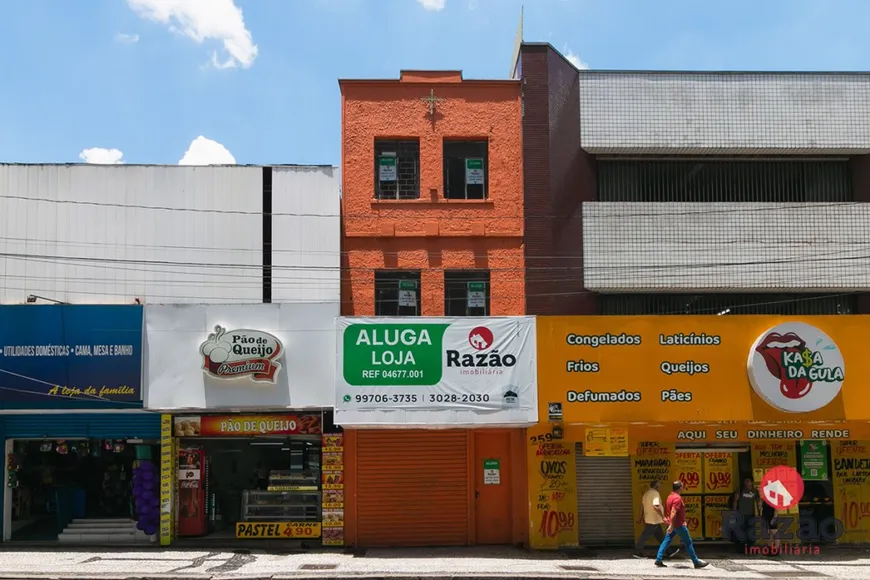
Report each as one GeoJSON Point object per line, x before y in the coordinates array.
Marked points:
{"type": "Point", "coordinates": [412, 488]}
{"type": "Point", "coordinates": [605, 513]}
{"type": "Point", "coordinates": [138, 425]}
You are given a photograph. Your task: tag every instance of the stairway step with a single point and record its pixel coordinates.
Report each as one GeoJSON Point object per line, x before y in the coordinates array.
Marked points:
{"type": "Point", "coordinates": [103, 524]}
{"type": "Point", "coordinates": [101, 520]}
{"type": "Point", "coordinates": [96, 538]}
{"type": "Point", "coordinates": [91, 531]}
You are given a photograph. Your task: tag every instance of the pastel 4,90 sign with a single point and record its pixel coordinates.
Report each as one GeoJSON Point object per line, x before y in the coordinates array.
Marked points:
{"type": "Point", "coordinates": [393, 354]}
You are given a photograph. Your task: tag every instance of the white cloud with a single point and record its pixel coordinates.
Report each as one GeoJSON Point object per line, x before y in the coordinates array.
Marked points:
{"type": "Point", "coordinates": [201, 20]}
{"type": "Point", "coordinates": [204, 151]}
{"type": "Point", "coordinates": [101, 156]}
{"type": "Point", "coordinates": [433, 5]}
{"type": "Point", "coordinates": [574, 58]}
{"type": "Point", "coordinates": [126, 38]}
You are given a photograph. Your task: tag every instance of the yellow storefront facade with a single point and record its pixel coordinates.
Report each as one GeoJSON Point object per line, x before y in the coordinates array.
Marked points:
{"type": "Point", "coordinates": [709, 400]}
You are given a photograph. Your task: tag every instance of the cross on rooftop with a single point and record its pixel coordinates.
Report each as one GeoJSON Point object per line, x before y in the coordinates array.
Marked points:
{"type": "Point", "coordinates": [431, 100]}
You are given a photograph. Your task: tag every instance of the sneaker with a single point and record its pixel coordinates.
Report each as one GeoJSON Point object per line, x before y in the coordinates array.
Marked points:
{"type": "Point", "coordinates": [673, 552]}
{"type": "Point", "coordinates": [660, 564]}
{"type": "Point", "coordinates": [701, 564]}
{"type": "Point", "coordinates": [638, 555]}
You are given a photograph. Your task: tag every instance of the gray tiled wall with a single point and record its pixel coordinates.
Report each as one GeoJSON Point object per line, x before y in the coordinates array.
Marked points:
{"type": "Point", "coordinates": [793, 113]}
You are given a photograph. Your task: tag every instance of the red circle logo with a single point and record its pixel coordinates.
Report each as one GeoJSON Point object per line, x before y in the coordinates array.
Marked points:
{"type": "Point", "coordinates": [480, 338]}
{"type": "Point", "coordinates": [782, 487]}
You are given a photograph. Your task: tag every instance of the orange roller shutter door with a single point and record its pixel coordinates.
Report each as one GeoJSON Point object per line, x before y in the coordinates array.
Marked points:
{"type": "Point", "coordinates": [412, 488]}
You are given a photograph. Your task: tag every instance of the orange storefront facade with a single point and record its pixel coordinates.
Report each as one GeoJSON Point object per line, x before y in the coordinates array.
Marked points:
{"type": "Point", "coordinates": [710, 400]}
{"type": "Point", "coordinates": [432, 211]}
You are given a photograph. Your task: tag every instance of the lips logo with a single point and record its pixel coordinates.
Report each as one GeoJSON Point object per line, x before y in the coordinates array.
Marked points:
{"type": "Point", "coordinates": [776, 348]}
{"type": "Point", "coordinates": [796, 368]}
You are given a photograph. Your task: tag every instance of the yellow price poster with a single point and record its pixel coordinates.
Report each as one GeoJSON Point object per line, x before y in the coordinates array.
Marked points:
{"type": "Point", "coordinates": [852, 489]}
{"type": "Point", "coordinates": [650, 461]}
{"type": "Point", "coordinates": [619, 442]}
{"type": "Point", "coordinates": [603, 442]}
{"type": "Point", "coordinates": [277, 530]}
{"type": "Point", "coordinates": [688, 467]}
{"type": "Point", "coordinates": [718, 472]}
{"type": "Point", "coordinates": [766, 455]}
{"type": "Point", "coordinates": [167, 482]}
{"type": "Point", "coordinates": [714, 506]}
{"type": "Point", "coordinates": [553, 490]}
{"type": "Point", "coordinates": [694, 517]}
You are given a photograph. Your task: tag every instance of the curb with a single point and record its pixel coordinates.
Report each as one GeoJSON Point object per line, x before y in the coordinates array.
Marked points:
{"type": "Point", "coordinates": [368, 576]}
{"type": "Point", "coordinates": [330, 574]}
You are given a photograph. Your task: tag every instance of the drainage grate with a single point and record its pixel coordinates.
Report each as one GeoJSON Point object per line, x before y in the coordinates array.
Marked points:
{"type": "Point", "coordinates": [572, 568]}
{"type": "Point", "coordinates": [318, 566]}
{"type": "Point", "coordinates": [794, 574]}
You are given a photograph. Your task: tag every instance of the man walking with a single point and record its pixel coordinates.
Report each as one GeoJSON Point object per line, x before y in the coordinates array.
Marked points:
{"type": "Point", "coordinates": [675, 509]}
{"type": "Point", "coordinates": [652, 516]}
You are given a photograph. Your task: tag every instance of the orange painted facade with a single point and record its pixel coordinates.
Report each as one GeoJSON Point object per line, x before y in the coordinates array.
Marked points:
{"type": "Point", "coordinates": [432, 234]}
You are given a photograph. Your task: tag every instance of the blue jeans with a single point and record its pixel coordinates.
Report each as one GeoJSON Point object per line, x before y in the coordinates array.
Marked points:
{"type": "Point", "coordinates": [683, 532]}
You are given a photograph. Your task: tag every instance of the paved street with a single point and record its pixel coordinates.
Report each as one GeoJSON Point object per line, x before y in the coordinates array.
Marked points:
{"type": "Point", "coordinates": [423, 563]}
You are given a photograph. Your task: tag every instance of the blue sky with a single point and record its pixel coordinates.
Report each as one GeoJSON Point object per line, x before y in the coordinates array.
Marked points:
{"type": "Point", "coordinates": [147, 78]}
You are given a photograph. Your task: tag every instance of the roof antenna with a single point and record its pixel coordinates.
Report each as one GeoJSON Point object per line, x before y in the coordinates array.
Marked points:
{"type": "Point", "coordinates": [518, 42]}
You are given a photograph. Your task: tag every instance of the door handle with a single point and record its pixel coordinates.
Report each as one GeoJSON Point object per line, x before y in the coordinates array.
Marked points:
{"type": "Point", "coordinates": [476, 494]}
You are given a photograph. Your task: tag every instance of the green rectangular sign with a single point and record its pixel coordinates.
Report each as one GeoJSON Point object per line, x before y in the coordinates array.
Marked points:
{"type": "Point", "coordinates": [814, 460]}
{"type": "Point", "coordinates": [393, 354]}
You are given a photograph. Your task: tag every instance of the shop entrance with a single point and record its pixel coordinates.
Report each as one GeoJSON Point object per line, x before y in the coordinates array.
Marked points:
{"type": "Point", "coordinates": [78, 490]}
{"type": "Point", "coordinates": [493, 513]}
{"type": "Point", "coordinates": [257, 480]}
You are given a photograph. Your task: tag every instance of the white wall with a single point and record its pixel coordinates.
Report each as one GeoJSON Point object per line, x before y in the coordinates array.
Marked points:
{"type": "Point", "coordinates": [790, 113]}
{"type": "Point", "coordinates": [80, 233]}
{"type": "Point", "coordinates": [632, 247]}
{"type": "Point", "coordinates": [306, 234]}
{"type": "Point", "coordinates": [110, 234]}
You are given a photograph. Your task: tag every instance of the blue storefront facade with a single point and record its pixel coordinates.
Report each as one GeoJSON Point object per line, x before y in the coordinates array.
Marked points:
{"type": "Point", "coordinates": [71, 417]}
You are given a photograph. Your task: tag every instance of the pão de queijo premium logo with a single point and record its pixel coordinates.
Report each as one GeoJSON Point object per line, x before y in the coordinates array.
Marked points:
{"type": "Point", "coordinates": [241, 353]}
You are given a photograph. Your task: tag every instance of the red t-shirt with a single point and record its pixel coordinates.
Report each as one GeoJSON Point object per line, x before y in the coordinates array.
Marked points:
{"type": "Point", "coordinates": [675, 501]}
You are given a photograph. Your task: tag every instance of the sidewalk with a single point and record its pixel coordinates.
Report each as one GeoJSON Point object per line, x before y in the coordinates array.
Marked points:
{"type": "Point", "coordinates": [413, 563]}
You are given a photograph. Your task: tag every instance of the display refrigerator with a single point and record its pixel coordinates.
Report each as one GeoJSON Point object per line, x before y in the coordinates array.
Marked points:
{"type": "Point", "coordinates": [191, 511]}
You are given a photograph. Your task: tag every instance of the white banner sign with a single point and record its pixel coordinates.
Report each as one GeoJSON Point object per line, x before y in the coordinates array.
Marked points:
{"type": "Point", "coordinates": [239, 356]}
{"type": "Point", "coordinates": [436, 371]}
